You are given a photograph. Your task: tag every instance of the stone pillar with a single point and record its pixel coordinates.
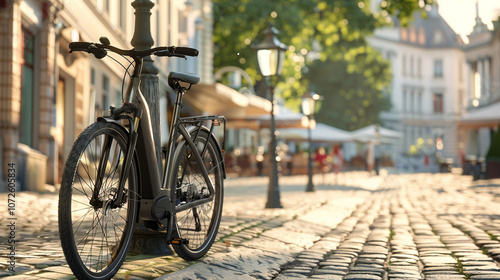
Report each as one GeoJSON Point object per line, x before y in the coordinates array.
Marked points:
{"type": "Point", "coordinates": [47, 53]}
{"type": "Point", "coordinates": [10, 81]}
{"type": "Point", "coordinates": [469, 84]}
{"type": "Point", "coordinates": [481, 75]}
{"type": "Point", "coordinates": [486, 81]}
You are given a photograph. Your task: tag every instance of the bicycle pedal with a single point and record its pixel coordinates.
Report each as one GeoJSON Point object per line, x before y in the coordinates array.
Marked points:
{"type": "Point", "coordinates": [177, 240]}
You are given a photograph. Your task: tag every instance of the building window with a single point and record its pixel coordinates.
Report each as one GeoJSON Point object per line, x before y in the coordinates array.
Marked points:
{"type": "Point", "coordinates": [404, 65]}
{"type": "Point", "coordinates": [437, 101]}
{"type": "Point", "coordinates": [421, 36]}
{"type": "Point", "coordinates": [412, 101]}
{"type": "Point", "coordinates": [122, 15]}
{"type": "Point", "coordinates": [107, 6]}
{"type": "Point", "coordinates": [419, 67]}
{"type": "Point", "coordinates": [405, 96]}
{"type": "Point", "coordinates": [438, 37]}
{"type": "Point", "coordinates": [411, 66]}
{"type": "Point", "coordinates": [404, 34]}
{"type": "Point", "coordinates": [105, 92]}
{"type": "Point", "coordinates": [438, 68]}
{"type": "Point", "coordinates": [461, 100]}
{"type": "Point", "coordinates": [169, 22]}
{"type": "Point", "coordinates": [419, 102]}
{"type": "Point", "coordinates": [460, 71]}
{"type": "Point", "coordinates": [118, 98]}
{"type": "Point", "coordinates": [477, 85]}
{"type": "Point", "coordinates": [413, 35]}
{"type": "Point", "coordinates": [27, 88]}
{"type": "Point", "coordinates": [182, 22]}
{"type": "Point", "coordinates": [92, 77]}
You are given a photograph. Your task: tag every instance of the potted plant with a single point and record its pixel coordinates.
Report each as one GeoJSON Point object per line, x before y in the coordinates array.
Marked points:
{"type": "Point", "coordinates": [493, 157]}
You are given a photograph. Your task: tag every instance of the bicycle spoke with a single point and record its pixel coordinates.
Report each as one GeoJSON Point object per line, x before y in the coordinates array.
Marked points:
{"type": "Point", "coordinates": [195, 223]}
{"type": "Point", "coordinates": [97, 229]}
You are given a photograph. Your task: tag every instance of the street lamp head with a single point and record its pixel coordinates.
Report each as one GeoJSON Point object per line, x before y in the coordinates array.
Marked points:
{"type": "Point", "coordinates": [309, 103]}
{"type": "Point", "coordinates": [270, 53]}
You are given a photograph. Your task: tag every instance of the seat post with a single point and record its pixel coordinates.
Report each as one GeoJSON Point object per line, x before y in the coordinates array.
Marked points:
{"type": "Point", "coordinates": [172, 129]}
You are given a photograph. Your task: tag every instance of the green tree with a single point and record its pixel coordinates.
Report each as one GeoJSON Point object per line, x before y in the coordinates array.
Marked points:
{"type": "Point", "coordinates": [328, 51]}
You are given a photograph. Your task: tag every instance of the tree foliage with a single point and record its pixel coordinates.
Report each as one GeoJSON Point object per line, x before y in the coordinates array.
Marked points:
{"type": "Point", "coordinates": [327, 52]}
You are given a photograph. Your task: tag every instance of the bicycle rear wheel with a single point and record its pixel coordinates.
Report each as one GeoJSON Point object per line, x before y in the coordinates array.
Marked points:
{"type": "Point", "coordinates": [95, 237]}
{"type": "Point", "coordinates": [198, 224]}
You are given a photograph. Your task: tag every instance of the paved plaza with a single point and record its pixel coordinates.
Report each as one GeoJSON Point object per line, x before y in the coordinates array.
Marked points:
{"type": "Point", "coordinates": [356, 226]}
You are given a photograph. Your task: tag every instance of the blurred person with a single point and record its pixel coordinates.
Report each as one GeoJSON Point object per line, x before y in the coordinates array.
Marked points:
{"type": "Point", "coordinates": [244, 162]}
{"type": "Point", "coordinates": [321, 159]}
{"type": "Point", "coordinates": [337, 160]}
{"type": "Point", "coordinates": [288, 160]}
{"type": "Point", "coordinates": [370, 156]}
{"type": "Point", "coordinates": [378, 158]}
{"type": "Point", "coordinates": [259, 157]}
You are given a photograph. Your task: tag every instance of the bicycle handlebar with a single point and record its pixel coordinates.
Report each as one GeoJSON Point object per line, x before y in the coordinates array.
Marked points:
{"type": "Point", "coordinates": [100, 50]}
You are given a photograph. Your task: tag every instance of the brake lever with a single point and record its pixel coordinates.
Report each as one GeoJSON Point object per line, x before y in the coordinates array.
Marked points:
{"type": "Point", "coordinates": [169, 54]}
{"type": "Point", "coordinates": [97, 52]}
{"type": "Point", "coordinates": [179, 55]}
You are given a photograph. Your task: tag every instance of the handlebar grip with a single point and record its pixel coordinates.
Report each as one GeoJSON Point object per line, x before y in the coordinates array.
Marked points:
{"type": "Point", "coordinates": [79, 46]}
{"type": "Point", "coordinates": [88, 47]}
{"type": "Point", "coordinates": [186, 51]}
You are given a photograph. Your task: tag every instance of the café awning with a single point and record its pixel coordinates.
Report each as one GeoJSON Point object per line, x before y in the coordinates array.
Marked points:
{"type": "Point", "coordinates": [284, 118]}
{"type": "Point", "coordinates": [487, 116]}
{"type": "Point", "coordinates": [218, 99]}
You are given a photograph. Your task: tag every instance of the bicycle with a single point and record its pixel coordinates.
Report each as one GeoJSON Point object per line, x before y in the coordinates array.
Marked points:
{"type": "Point", "coordinates": [112, 179]}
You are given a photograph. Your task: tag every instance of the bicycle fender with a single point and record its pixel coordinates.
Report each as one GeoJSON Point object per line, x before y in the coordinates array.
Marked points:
{"type": "Point", "coordinates": [139, 188]}
{"type": "Point", "coordinates": [110, 120]}
{"type": "Point", "coordinates": [192, 129]}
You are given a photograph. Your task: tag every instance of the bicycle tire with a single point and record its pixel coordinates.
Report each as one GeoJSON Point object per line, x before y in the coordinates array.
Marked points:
{"type": "Point", "coordinates": [95, 239]}
{"type": "Point", "coordinates": [190, 185]}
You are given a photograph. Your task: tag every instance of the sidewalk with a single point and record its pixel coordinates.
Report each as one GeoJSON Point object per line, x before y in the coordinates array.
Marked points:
{"type": "Point", "coordinates": [414, 226]}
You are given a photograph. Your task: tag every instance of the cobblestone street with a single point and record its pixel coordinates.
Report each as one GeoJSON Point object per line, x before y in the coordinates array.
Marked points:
{"type": "Point", "coordinates": [394, 226]}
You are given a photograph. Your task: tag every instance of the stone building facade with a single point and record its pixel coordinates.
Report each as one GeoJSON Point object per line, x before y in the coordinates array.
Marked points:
{"type": "Point", "coordinates": [48, 96]}
{"type": "Point", "coordinates": [428, 90]}
{"type": "Point", "coordinates": [482, 56]}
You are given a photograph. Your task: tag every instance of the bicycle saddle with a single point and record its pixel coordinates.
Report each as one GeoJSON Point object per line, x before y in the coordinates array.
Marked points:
{"type": "Point", "coordinates": [174, 77]}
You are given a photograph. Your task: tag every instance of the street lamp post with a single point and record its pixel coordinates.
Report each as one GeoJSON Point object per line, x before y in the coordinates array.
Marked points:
{"type": "Point", "coordinates": [271, 55]}
{"type": "Point", "coordinates": [144, 240]}
{"type": "Point", "coordinates": [308, 108]}
{"type": "Point", "coordinates": [376, 148]}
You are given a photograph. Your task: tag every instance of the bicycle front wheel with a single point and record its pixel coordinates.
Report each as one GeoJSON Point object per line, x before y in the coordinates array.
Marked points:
{"type": "Point", "coordinates": [95, 234]}
{"type": "Point", "coordinates": [199, 224]}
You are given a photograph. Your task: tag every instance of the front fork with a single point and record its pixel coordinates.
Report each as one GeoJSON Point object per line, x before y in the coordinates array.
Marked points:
{"type": "Point", "coordinates": [116, 113]}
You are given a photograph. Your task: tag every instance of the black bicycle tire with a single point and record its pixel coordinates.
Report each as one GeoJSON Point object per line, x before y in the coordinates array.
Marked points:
{"type": "Point", "coordinates": [65, 200]}
{"type": "Point", "coordinates": [183, 250]}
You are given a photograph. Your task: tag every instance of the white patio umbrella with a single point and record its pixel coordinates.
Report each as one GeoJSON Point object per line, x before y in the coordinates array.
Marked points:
{"type": "Point", "coordinates": [321, 133]}
{"type": "Point", "coordinates": [369, 133]}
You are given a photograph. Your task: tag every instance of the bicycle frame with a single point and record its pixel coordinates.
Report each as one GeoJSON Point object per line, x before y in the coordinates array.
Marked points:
{"type": "Point", "coordinates": [113, 178]}
{"type": "Point", "coordinates": [155, 200]}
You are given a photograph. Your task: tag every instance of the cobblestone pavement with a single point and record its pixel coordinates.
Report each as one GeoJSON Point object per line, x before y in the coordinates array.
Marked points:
{"type": "Point", "coordinates": [412, 226]}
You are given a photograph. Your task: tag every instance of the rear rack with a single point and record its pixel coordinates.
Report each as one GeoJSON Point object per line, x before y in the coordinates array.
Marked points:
{"type": "Point", "coordinates": [198, 122]}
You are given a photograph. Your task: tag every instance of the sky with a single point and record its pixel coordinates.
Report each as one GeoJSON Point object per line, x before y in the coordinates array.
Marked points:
{"type": "Point", "coordinates": [461, 14]}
